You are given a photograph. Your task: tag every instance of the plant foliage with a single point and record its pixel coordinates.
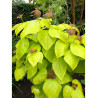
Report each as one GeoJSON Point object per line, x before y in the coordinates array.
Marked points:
{"type": "Point", "coordinates": [48, 54]}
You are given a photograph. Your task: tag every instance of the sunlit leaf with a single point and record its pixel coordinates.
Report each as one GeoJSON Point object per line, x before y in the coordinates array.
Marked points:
{"type": "Point", "coordinates": [35, 90]}
{"type": "Point", "coordinates": [45, 39]}
{"type": "Point", "coordinates": [52, 88]}
{"type": "Point", "coordinates": [67, 90]}
{"type": "Point", "coordinates": [58, 34]}
{"type": "Point", "coordinates": [50, 54]}
{"type": "Point", "coordinates": [41, 76]}
{"type": "Point", "coordinates": [32, 27]}
{"type": "Point", "coordinates": [45, 23]}
{"type": "Point", "coordinates": [79, 86]}
{"type": "Point", "coordinates": [71, 38]}
{"type": "Point", "coordinates": [60, 48]}
{"type": "Point", "coordinates": [20, 73]}
{"type": "Point", "coordinates": [64, 26]}
{"type": "Point", "coordinates": [22, 47]}
{"type": "Point", "coordinates": [19, 27]}
{"type": "Point", "coordinates": [67, 78]}
{"type": "Point", "coordinates": [77, 50]}
{"type": "Point", "coordinates": [33, 37]}
{"type": "Point", "coordinates": [35, 58]}
{"type": "Point", "coordinates": [71, 59]}
{"type": "Point", "coordinates": [31, 71]}
{"type": "Point", "coordinates": [77, 94]}
{"type": "Point", "coordinates": [59, 67]}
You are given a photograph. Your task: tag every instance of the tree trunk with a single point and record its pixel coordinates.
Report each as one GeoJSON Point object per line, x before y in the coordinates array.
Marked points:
{"type": "Point", "coordinates": [82, 9]}
{"type": "Point", "coordinates": [29, 1]}
{"type": "Point", "coordinates": [67, 12]}
{"type": "Point", "coordinates": [73, 11]}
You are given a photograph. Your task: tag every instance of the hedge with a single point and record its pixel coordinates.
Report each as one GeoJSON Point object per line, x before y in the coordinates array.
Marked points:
{"type": "Point", "coordinates": [21, 8]}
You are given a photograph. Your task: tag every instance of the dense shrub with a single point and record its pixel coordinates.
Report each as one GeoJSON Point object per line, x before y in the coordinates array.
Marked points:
{"type": "Point", "coordinates": [21, 8]}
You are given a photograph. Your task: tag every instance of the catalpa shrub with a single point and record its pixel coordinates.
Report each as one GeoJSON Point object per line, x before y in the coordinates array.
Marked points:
{"type": "Point", "coordinates": [49, 55]}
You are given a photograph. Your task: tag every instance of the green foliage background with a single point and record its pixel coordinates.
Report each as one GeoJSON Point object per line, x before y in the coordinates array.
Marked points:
{"type": "Point", "coordinates": [21, 8]}
{"type": "Point", "coordinates": [17, 9]}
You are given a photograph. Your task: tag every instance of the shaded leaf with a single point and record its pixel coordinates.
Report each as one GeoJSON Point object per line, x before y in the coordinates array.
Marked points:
{"type": "Point", "coordinates": [83, 39]}
{"type": "Point", "coordinates": [19, 63]}
{"type": "Point", "coordinates": [81, 67]}
{"type": "Point", "coordinates": [44, 64]}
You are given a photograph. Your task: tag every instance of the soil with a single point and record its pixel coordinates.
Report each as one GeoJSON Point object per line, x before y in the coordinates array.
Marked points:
{"type": "Point", "coordinates": [23, 90]}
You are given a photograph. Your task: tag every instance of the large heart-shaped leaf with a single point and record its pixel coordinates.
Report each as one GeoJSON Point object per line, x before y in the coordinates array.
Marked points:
{"type": "Point", "coordinates": [41, 76]}
{"type": "Point", "coordinates": [77, 50]}
{"type": "Point", "coordinates": [45, 39]}
{"type": "Point", "coordinates": [19, 27]}
{"type": "Point", "coordinates": [32, 27]}
{"type": "Point", "coordinates": [60, 48]}
{"type": "Point", "coordinates": [59, 67]}
{"type": "Point", "coordinates": [58, 34]}
{"type": "Point", "coordinates": [20, 73]}
{"type": "Point", "coordinates": [31, 71]}
{"type": "Point", "coordinates": [52, 88]}
{"type": "Point", "coordinates": [71, 38]}
{"type": "Point", "coordinates": [63, 26]}
{"type": "Point", "coordinates": [32, 37]}
{"type": "Point", "coordinates": [67, 90]}
{"type": "Point", "coordinates": [67, 78]}
{"type": "Point", "coordinates": [34, 58]}
{"type": "Point", "coordinates": [45, 23]}
{"type": "Point", "coordinates": [34, 46]}
{"type": "Point", "coordinates": [77, 94]}
{"type": "Point", "coordinates": [71, 59]}
{"type": "Point", "coordinates": [22, 47]}
{"type": "Point", "coordinates": [50, 54]}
